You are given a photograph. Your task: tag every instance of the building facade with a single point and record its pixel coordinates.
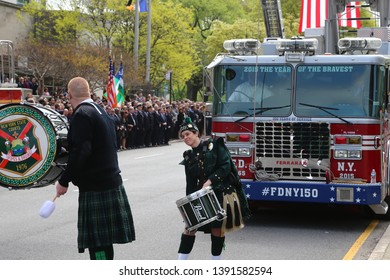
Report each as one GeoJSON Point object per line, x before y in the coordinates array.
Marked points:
{"type": "Point", "coordinates": [14, 27]}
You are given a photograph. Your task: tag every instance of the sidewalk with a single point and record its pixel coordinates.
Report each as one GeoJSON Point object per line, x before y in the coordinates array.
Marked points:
{"type": "Point", "coordinates": [382, 249]}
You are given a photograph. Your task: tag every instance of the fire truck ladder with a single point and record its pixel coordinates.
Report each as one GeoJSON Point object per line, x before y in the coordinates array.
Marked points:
{"type": "Point", "coordinates": [273, 18]}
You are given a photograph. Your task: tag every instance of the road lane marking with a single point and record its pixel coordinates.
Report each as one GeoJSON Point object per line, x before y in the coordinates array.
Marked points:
{"type": "Point", "coordinates": [155, 155]}
{"type": "Point", "coordinates": [359, 242]}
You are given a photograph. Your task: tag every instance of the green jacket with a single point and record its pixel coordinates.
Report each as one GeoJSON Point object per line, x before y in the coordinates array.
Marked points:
{"type": "Point", "coordinates": [210, 160]}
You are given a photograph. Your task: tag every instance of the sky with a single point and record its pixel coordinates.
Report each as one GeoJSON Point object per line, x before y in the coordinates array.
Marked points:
{"type": "Point", "coordinates": [56, 3]}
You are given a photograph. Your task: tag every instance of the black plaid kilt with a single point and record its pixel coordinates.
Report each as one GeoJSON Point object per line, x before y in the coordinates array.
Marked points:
{"type": "Point", "coordinates": [104, 218]}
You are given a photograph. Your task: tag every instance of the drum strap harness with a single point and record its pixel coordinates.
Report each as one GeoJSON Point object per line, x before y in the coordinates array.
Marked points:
{"type": "Point", "coordinates": [93, 104]}
{"type": "Point", "coordinates": [201, 163]}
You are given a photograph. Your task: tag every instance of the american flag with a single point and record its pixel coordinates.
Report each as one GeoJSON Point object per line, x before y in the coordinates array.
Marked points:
{"type": "Point", "coordinates": [111, 91]}
{"type": "Point", "coordinates": [351, 11]}
{"type": "Point", "coordinates": [315, 12]}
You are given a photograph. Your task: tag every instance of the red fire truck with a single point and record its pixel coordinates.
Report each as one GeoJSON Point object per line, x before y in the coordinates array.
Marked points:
{"type": "Point", "coordinates": [305, 125]}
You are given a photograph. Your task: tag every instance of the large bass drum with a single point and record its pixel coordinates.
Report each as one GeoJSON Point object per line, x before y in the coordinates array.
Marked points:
{"type": "Point", "coordinates": [33, 146]}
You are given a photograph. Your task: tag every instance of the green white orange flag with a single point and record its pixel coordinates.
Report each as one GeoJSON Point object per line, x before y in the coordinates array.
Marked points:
{"type": "Point", "coordinates": [119, 87]}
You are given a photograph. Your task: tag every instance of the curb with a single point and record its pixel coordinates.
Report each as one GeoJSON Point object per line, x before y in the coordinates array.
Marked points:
{"type": "Point", "coordinates": [382, 249]}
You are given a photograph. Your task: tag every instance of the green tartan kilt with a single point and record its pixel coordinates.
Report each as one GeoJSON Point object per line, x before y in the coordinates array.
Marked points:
{"type": "Point", "coordinates": [104, 218]}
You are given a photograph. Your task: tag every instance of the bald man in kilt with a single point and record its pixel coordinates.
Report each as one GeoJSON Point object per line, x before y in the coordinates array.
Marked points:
{"type": "Point", "coordinates": [104, 214]}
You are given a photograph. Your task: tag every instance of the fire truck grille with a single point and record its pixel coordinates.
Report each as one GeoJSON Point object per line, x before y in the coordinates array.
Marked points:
{"type": "Point", "coordinates": [283, 148]}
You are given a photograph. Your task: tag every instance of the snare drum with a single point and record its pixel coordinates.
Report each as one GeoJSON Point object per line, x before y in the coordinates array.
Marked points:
{"type": "Point", "coordinates": [200, 208]}
{"type": "Point", "coordinates": [33, 146]}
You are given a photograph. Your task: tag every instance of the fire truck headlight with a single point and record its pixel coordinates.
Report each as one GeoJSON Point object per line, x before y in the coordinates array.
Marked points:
{"type": "Point", "coordinates": [344, 154]}
{"type": "Point", "coordinates": [340, 154]}
{"type": "Point", "coordinates": [244, 151]}
{"type": "Point", "coordinates": [233, 151]}
{"type": "Point", "coordinates": [357, 154]}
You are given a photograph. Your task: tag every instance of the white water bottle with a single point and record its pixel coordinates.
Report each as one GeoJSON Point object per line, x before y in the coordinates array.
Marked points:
{"type": "Point", "coordinates": [373, 176]}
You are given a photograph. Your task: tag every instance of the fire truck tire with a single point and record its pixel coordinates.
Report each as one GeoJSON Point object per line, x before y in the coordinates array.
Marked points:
{"type": "Point", "coordinates": [387, 215]}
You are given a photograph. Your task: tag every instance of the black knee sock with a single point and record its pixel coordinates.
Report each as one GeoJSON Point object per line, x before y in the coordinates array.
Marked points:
{"type": "Point", "coordinates": [217, 245]}
{"type": "Point", "coordinates": [186, 244]}
{"type": "Point", "coordinates": [101, 253]}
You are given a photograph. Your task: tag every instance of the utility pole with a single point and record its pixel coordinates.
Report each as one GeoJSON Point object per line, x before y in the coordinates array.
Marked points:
{"type": "Point", "coordinates": [147, 77]}
{"type": "Point", "coordinates": [136, 35]}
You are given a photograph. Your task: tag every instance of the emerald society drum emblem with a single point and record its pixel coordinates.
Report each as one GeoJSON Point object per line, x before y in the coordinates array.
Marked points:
{"type": "Point", "coordinates": [27, 145]}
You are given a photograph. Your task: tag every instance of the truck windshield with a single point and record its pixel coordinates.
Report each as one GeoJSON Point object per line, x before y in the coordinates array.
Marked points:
{"type": "Point", "coordinates": [354, 90]}
{"type": "Point", "coordinates": [245, 89]}
{"type": "Point", "coordinates": [345, 90]}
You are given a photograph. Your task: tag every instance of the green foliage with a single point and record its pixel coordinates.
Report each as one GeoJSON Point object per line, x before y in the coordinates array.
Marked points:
{"type": "Point", "coordinates": [172, 43]}
{"type": "Point", "coordinates": [238, 30]}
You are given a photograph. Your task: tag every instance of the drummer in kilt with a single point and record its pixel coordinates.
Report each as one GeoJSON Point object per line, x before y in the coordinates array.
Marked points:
{"type": "Point", "coordinates": [104, 214]}
{"type": "Point", "coordinates": [207, 164]}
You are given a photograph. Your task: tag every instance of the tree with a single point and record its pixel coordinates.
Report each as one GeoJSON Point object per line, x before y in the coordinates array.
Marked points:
{"type": "Point", "coordinates": [206, 13]}
{"type": "Point", "coordinates": [238, 30]}
{"type": "Point", "coordinates": [62, 62]}
{"type": "Point", "coordinates": [204, 17]}
{"type": "Point", "coordinates": [41, 59]}
{"type": "Point", "coordinates": [172, 46]}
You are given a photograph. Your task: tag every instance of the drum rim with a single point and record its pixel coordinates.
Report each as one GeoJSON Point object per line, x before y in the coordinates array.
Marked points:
{"type": "Point", "coordinates": [212, 219]}
{"type": "Point", "coordinates": [51, 142]}
{"type": "Point", "coordinates": [41, 107]}
{"type": "Point", "coordinates": [193, 196]}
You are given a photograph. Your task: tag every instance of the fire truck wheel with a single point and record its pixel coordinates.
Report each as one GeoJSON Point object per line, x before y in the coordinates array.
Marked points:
{"type": "Point", "coordinates": [387, 215]}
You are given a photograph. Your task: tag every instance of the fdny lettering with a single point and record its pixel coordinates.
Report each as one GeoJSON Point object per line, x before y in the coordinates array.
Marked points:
{"type": "Point", "coordinates": [239, 163]}
{"type": "Point", "coordinates": [342, 167]}
{"type": "Point", "coordinates": [293, 192]}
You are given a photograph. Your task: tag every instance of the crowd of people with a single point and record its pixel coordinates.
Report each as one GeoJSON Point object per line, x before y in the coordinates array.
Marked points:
{"type": "Point", "coordinates": [141, 121]}
{"type": "Point", "coordinates": [148, 122]}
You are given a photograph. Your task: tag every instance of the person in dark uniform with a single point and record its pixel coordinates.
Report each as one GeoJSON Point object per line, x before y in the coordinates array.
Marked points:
{"type": "Point", "coordinates": [139, 137]}
{"type": "Point", "coordinates": [147, 131]}
{"type": "Point", "coordinates": [169, 126]}
{"type": "Point", "coordinates": [132, 125]}
{"type": "Point", "coordinates": [123, 128]}
{"type": "Point", "coordinates": [200, 124]}
{"type": "Point", "coordinates": [104, 214]}
{"type": "Point", "coordinates": [156, 125]}
{"type": "Point", "coordinates": [207, 164]}
{"type": "Point", "coordinates": [115, 119]}
{"type": "Point", "coordinates": [179, 122]}
{"type": "Point", "coordinates": [150, 120]}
